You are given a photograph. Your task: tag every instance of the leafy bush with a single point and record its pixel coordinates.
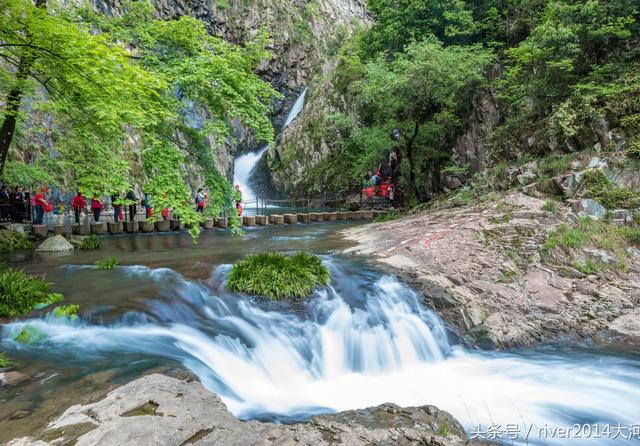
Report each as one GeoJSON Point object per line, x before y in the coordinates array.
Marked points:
{"type": "Point", "coordinates": [633, 152]}
{"type": "Point", "coordinates": [91, 242]}
{"type": "Point", "coordinates": [277, 276]}
{"type": "Point", "coordinates": [11, 241]}
{"type": "Point", "coordinates": [20, 293]}
{"type": "Point", "coordinates": [4, 361]}
{"type": "Point", "coordinates": [108, 264]}
{"type": "Point", "coordinates": [66, 311]}
{"type": "Point", "coordinates": [30, 335]}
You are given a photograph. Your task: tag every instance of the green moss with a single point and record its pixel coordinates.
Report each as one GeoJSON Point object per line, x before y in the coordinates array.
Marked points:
{"type": "Point", "coordinates": [91, 242]}
{"type": "Point", "coordinates": [20, 293]}
{"type": "Point", "coordinates": [30, 335]}
{"type": "Point", "coordinates": [11, 241]}
{"type": "Point", "coordinates": [108, 264]}
{"type": "Point", "coordinates": [277, 276]}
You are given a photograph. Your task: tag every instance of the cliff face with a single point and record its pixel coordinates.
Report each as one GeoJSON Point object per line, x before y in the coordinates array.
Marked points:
{"type": "Point", "coordinates": [305, 34]}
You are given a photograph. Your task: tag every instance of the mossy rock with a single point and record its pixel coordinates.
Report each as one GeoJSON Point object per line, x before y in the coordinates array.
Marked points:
{"type": "Point", "coordinates": [277, 276]}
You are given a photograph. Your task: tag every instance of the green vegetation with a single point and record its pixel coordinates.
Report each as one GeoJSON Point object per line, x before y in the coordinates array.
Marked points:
{"type": "Point", "coordinates": [589, 266]}
{"type": "Point", "coordinates": [600, 188]}
{"type": "Point", "coordinates": [444, 430]}
{"type": "Point", "coordinates": [277, 276]}
{"type": "Point", "coordinates": [11, 241]}
{"type": "Point", "coordinates": [21, 293]}
{"type": "Point", "coordinates": [4, 361]}
{"type": "Point", "coordinates": [66, 311]}
{"type": "Point", "coordinates": [633, 152]}
{"type": "Point", "coordinates": [108, 264]}
{"type": "Point", "coordinates": [105, 79]}
{"type": "Point", "coordinates": [551, 206]}
{"type": "Point", "coordinates": [30, 335]}
{"type": "Point", "coordinates": [387, 216]}
{"type": "Point", "coordinates": [90, 242]}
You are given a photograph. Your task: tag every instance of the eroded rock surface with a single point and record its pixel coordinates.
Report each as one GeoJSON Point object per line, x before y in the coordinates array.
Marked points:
{"type": "Point", "coordinates": [159, 410]}
{"type": "Point", "coordinates": [480, 267]}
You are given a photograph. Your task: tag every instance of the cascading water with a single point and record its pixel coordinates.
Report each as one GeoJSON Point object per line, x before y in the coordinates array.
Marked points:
{"type": "Point", "coordinates": [360, 342]}
{"type": "Point", "coordinates": [243, 168]}
{"type": "Point", "coordinates": [245, 164]}
{"type": "Point", "coordinates": [296, 109]}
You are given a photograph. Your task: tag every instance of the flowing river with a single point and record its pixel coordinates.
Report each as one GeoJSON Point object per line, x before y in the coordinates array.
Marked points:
{"type": "Point", "coordinates": [364, 340]}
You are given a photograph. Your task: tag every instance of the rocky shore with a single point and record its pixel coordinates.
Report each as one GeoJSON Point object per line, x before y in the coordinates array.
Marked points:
{"type": "Point", "coordinates": [161, 410]}
{"type": "Point", "coordinates": [481, 268]}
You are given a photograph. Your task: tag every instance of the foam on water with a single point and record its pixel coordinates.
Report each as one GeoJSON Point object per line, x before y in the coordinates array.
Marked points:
{"type": "Point", "coordinates": [352, 351]}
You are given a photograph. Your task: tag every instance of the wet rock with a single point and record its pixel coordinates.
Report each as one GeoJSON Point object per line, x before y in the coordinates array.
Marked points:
{"type": "Point", "coordinates": [600, 256]}
{"type": "Point", "coordinates": [199, 417]}
{"type": "Point", "coordinates": [55, 244]}
{"type": "Point", "coordinates": [12, 378]}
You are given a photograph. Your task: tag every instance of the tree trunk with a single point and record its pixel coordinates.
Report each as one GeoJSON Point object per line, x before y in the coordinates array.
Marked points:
{"type": "Point", "coordinates": [409, 150]}
{"type": "Point", "coordinates": [13, 102]}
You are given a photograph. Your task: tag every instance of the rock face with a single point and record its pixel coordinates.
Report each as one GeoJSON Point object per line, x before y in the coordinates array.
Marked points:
{"type": "Point", "coordinates": [480, 268]}
{"type": "Point", "coordinates": [55, 244]}
{"type": "Point", "coordinates": [159, 410]}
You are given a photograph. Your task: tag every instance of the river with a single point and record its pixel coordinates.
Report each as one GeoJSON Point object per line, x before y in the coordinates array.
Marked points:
{"type": "Point", "coordinates": [364, 340]}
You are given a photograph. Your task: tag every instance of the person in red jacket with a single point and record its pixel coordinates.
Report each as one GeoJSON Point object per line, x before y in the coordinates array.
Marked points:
{"type": "Point", "coordinates": [78, 204]}
{"type": "Point", "coordinates": [39, 203]}
{"type": "Point", "coordinates": [96, 207]}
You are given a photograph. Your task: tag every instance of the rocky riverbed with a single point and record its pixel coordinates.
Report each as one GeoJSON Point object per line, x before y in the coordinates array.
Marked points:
{"type": "Point", "coordinates": [480, 266]}
{"type": "Point", "coordinates": [161, 410]}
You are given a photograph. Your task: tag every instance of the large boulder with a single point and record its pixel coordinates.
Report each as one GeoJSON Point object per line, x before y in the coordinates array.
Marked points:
{"type": "Point", "coordinates": [157, 409]}
{"type": "Point", "coordinates": [55, 244]}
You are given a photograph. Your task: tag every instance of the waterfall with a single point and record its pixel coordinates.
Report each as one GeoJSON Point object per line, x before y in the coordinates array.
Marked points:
{"type": "Point", "coordinates": [243, 168]}
{"type": "Point", "coordinates": [353, 344]}
{"type": "Point", "coordinates": [296, 109]}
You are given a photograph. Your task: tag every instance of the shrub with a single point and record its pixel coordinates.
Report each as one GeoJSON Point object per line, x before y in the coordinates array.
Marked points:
{"type": "Point", "coordinates": [633, 152]}
{"type": "Point", "coordinates": [11, 241]}
{"type": "Point", "coordinates": [30, 335]}
{"type": "Point", "coordinates": [601, 189]}
{"type": "Point", "coordinates": [108, 264]}
{"type": "Point", "coordinates": [91, 242]}
{"type": "Point", "coordinates": [4, 361]}
{"type": "Point", "coordinates": [277, 276]}
{"type": "Point", "coordinates": [20, 293]}
{"type": "Point", "coordinates": [631, 235]}
{"type": "Point", "coordinates": [66, 311]}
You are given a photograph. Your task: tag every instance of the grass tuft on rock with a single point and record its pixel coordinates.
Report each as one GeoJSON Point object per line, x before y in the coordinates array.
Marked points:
{"type": "Point", "coordinates": [30, 335]}
{"type": "Point", "coordinates": [276, 276]}
{"type": "Point", "coordinates": [90, 242]}
{"type": "Point", "coordinates": [4, 361]}
{"type": "Point", "coordinates": [20, 293]}
{"type": "Point", "coordinates": [11, 241]}
{"type": "Point", "coordinates": [66, 311]}
{"type": "Point", "coordinates": [108, 264]}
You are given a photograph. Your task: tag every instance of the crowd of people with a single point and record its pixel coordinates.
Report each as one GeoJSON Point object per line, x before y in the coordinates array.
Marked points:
{"type": "Point", "coordinates": [383, 182]}
{"type": "Point", "coordinates": [18, 206]}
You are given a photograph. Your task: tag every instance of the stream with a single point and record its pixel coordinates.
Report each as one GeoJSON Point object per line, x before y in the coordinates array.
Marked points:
{"type": "Point", "coordinates": [364, 340]}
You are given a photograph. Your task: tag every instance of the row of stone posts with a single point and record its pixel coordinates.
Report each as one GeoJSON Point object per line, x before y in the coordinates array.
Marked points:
{"type": "Point", "coordinates": [145, 226]}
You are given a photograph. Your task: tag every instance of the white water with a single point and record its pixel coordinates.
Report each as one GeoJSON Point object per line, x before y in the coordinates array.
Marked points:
{"type": "Point", "coordinates": [296, 109]}
{"type": "Point", "coordinates": [242, 170]}
{"type": "Point", "coordinates": [357, 350]}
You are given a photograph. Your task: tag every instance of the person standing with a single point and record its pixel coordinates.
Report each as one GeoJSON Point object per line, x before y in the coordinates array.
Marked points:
{"type": "Point", "coordinates": [96, 207]}
{"type": "Point", "coordinates": [201, 200]}
{"type": "Point", "coordinates": [116, 207]}
{"type": "Point", "coordinates": [78, 204]}
{"type": "Point", "coordinates": [237, 197]}
{"type": "Point", "coordinates": [131, 197]}
{"type": "Point", "coordinates": [39, 203]}
{"type": "Point", "coordinates": [146, 203]}
{"type": "Point", "coordinates": [19, 201]}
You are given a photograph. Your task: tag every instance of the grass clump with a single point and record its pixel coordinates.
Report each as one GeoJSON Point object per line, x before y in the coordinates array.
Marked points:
{"type": "Point", "coordinates": [20, 293]}
{"type": "Point", "coordinates": [11, 241]}
{"type": "Point", "coordinates": [277, 276]}
{"type": "Point", "coordinates": [66, 311]}
{"type": "Point", "coordinates": [30, 335]}
{"type": "Point", "coordinates": [4, 361]}
{"type": "Point", "coordinates": [108, 264]}
{"type": "Point", "coordinates": [387, 216]}
{"type": "Point", "coordinates": [91, 242]}
{"type": "Point", "coordinates": [551, 206]}
{"type": "Point", "coordinates": [589, 266]}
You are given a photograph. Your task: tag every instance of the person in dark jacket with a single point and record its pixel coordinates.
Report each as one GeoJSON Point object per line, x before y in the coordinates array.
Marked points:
{"type": "Point", "coordinates": [131, 196]}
